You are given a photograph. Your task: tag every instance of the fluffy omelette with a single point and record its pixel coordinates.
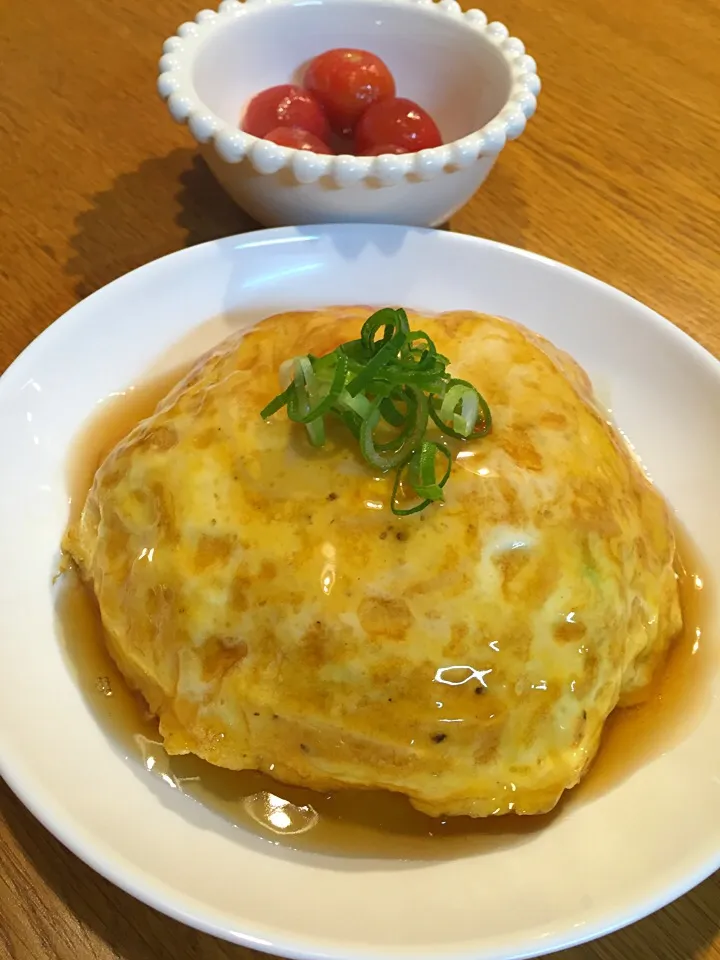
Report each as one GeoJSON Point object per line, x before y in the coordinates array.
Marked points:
{"type": "Point", "coordinates": [276, 616]}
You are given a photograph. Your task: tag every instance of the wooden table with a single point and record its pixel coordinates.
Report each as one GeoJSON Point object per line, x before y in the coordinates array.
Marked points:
{"type": "Point", "coordinates": [619, 175]}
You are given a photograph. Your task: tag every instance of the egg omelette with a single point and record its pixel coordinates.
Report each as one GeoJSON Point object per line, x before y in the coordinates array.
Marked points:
{"type": "Point", "coordinates": [276, 616]}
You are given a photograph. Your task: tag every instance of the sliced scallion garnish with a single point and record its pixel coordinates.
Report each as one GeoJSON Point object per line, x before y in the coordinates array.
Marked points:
{"type": "Point", "coordinates": [385, 389]}
{"type": "Point", "coordinates": [471, 422]}
{"type": "Point", "coordinates": [418, 470]}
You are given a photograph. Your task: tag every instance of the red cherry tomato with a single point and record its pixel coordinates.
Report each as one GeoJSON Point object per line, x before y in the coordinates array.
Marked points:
{"type": "Point", "coordinates": [399, 122]}
{"type": "Point", "coordinates": [297, 139]}
{"type": "Point", "coordinates": [383, 148]}
{"type": "Point", "coordinates": [285, 106]}
{"type": "Point", "coordinates": [347, 82]}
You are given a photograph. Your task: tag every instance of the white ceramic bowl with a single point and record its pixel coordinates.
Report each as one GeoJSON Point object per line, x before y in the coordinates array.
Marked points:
{"type": "Point", "coordinates": [597, 864]}
{"type": "Point", "coordinates": [473, 78]}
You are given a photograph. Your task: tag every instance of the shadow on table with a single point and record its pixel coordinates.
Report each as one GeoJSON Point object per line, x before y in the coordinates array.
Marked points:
{"type": "Point", "coordinates": [174, 201]}
{"type": "Point", "coordinates": [499, 210]}
{"type": "Point", "coordinates": [683, 931]}
{"type": "Point", "coordinates": [127, 225]}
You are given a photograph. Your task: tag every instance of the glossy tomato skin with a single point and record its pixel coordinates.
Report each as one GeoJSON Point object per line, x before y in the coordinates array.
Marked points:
{"type": "Point", "coordinates": [298, 139]}
{"type": "Point", "coordinates": [285, 106]}
{"type": "Point", "coordinates": [382, 148]}
{"type": "Point", "coordinates": [346, 82]}
{"type": "Point", "coordinates": [397, 122]}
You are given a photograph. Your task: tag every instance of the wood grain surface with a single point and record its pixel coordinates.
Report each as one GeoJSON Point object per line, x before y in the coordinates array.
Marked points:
{"type": "Point", "coordinates": [619, 175]}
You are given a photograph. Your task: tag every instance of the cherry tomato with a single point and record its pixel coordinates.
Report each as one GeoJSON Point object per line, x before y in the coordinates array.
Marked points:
{"type": "Point", "coordinates": [298, 139]}
{"type": "Point", "coordinates": [399, 122]}
{"type": "Point", "coordinates": [346, 82]}
{"type": "Point", "coordinates": [285, 106]}
{"type": "Point", "coordinates": [383, 148]}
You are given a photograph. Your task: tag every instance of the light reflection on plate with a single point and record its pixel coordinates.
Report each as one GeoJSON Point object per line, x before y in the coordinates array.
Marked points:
{"type": "Point", "coordinates": [280, 816]}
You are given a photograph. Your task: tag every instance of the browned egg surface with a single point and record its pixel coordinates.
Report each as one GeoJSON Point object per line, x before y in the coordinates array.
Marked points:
{"type": "Point", "coordinates": [273, 613]}
{"type": "Point", "coordinates": [360, 823]}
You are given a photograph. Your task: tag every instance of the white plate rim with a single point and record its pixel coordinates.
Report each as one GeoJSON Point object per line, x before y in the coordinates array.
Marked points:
{"type": "Point", "coordinates": [71, 834]}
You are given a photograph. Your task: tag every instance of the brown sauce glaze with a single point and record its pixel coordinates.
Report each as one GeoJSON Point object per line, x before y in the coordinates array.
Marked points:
{"type": "Point", "coordinates": [353, 822]}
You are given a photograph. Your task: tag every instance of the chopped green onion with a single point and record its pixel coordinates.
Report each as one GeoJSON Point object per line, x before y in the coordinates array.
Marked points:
{"type": "Point", "coordinates": [391, 413]}
{"type": "Point", "coordinates": [316, 432]}
{"type": "Point", "coordinates": [306, 404]}
{"type": "Point", "coordinates": [394, 453]}
{"type": "Point", "coordinates": [394, 321]}
{"type": "Point", "coordinates": [355, 352]}
{"type": "Point", "coordinates": [276, 404]}
{"type": "Point", "coordinates": [351, 420]}
{"type": "Point", "coordinates": [373, 367]}
{"type": "Point", "coordinates": [359, 405]}
{"type": "Point", "coordinates": [414, 466]}
{"type": "Point", "coordinates": [384, 390]}
{"type": "Point", "coordinates": [422, 470]}
{"type": "Point", "coordinates": [472, 422]}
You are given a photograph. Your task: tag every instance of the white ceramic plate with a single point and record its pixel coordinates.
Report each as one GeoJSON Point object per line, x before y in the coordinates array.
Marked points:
{"type": "Point", "coordinates": [602, 865]}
